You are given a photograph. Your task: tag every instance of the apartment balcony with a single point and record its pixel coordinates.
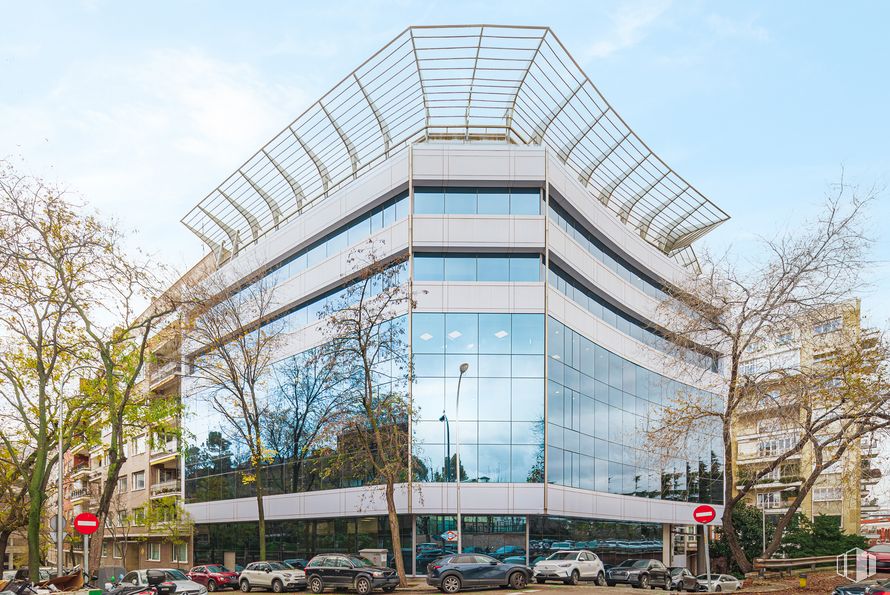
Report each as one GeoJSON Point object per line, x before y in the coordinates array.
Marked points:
{"type": "Point", "coordinates": [80, 448]}
{"type": "Point", "coordinates": [163, 489]}
{"type": "Point", "coordinates": [79, 495]}
{"type": "Point", "coordinates": [163, 375]}
{"type": "Point", "coordinates": [80, 471]}
{"type": "Point", "coordinates": [774, 483]}
{"type": "Point", "coordinates": [757, 457]}
{"type": "Point", "coordinates": [164, 452]}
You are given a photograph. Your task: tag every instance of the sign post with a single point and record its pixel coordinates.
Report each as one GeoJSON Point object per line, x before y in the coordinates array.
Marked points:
{"type": "Point", "coordinates": [86, 523]}
{"type": "Point", "coordinates": [703, 515]}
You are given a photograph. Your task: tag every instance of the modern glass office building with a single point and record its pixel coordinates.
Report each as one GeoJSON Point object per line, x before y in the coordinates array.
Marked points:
{"type": "Point", "coordinates": [539, 234]}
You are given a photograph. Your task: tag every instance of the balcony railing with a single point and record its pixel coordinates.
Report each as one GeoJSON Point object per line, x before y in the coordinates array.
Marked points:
{"type": "Point", "coordinates": [165, 488]}
{"type": "Point", "coordinates": [160, 373]}
{"type": "Point", "coordinates": [77, 493]}
{"type": "Point", "coordinates": [164, 448]}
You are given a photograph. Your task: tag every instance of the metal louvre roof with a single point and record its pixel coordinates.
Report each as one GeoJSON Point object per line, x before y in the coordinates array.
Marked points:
{"type": "Point", "coordinates": [464, 82]}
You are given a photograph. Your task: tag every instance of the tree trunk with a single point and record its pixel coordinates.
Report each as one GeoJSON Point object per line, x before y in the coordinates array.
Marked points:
{"type": "Point", "coordinates": [4, 542]}
{"type": "Point", "coordinates": [105, 498]}
{"type": "Point", "coordinates": [37, 496]}
{"type": "Point", "coordinates": [394, 533]}
{"type": "Point", "coordinates": [261, 512]}
{"type": "Point", "coordinates": [732, 538]}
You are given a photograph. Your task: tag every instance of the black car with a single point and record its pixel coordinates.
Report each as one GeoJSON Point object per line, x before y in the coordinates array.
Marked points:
{"type": "Point", "coordinates": [860, 588]}
{"type": "Point", "coordinates": [682, 579]}
{"type": "Point", "coordinates": [344, 571]}
{"type": "Point", "coordinates": [453, 572]}
{"type": "Point", "coordinates": [298, 563]}
{"type": "Point", "coordinates": [640, 574]}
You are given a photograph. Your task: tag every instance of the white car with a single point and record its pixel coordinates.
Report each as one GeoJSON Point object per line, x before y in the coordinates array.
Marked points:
{"type": "Point", "coordinates": [720, 583]}
{"type": "Point", "coordinates": [271, 575]}
{"type": "Point", "coordinates": [571, 567]}
{"type": "Point", "coordinates": [184, 586]}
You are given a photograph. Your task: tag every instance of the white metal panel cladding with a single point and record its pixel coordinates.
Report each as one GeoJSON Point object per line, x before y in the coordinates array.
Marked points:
{"type": "Point", "coordinates": [464, 83]}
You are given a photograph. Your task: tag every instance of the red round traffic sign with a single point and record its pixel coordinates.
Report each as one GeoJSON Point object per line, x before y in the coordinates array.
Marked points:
{"type": "Point", "coordinates": [704, 513]}
{"type": "Point", "coordinates": [86, 523]}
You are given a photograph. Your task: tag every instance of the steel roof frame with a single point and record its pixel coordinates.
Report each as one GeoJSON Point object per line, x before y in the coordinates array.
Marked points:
{"type": "Point", "coordinates": [516, 84]}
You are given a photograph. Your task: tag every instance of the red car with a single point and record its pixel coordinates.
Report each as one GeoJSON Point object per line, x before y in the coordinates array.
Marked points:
{"type": "Point", "coordinates": [214, 577]}
{"type": "Point", "coordinates": [881, 552]}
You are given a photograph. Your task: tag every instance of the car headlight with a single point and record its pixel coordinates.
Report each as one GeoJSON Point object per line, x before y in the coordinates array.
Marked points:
{"type": "Point", "coordinates": [377, 573]}
{"type": "Point", "coordinates": [565, 565]}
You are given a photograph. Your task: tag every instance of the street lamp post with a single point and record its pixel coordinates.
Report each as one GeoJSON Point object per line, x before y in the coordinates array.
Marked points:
{"type": "Point", "coordinates": [447, 447]}
{"type": "Point", "coordinates": [460, 533]}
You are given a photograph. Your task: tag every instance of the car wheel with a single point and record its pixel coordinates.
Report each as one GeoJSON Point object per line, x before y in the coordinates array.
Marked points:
{"type": "Point", "coordinates": [316, 585]}
{"type": "Point", "coordinates": [573, 579]}
{"type": "Point", "coordinates": [277, 586]}
{"type": "Point", "coordinates": [644, 582]}
{"type": "Point", "coordinates": [211, 585]}
{"type": "Point", "coordinates": [362, 585]}
{"type": "Point", "coordinates": [245, 586]}
{"type": "Point", "coordinates": [517, 580]}
{"type": "Point", "coordinates": [451, 584]}
{"type": "Point", "coordinates": [718, 589]}
{"type": "Point", "coordinates": [601, 580]}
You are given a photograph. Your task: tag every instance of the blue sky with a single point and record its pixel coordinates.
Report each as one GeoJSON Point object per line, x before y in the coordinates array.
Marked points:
{"type": "Point", "coordinates": [143, 108]}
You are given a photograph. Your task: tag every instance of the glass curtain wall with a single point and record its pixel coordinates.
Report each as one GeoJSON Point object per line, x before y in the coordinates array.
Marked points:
{"type": "Point", "coordinates": [598, 407]}
{"type": "Point", "coordinates": [501, 396]}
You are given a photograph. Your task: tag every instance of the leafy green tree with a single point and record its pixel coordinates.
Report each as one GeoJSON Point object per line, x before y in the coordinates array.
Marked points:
{"type": "Point", "coordinates": [822, 536]}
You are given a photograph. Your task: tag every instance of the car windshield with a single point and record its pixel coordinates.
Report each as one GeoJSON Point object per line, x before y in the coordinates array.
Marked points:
{"type": "Point", "coordinates": [880, 549]}
{"type": "Point", "coordinates": [563, 556]}
{"type": "Point", "coordinates": [676, 571]}
{"type": "Point", "coordinates": [214, 568]}
{"type": "Point", "coordinates": [175, 575]}
{"type": "Point", "coordinates": [640, 564]}
{"type": "Point", "coordinates": [359, 562]}
{"type": "Point", "coordinates": [626, 563]}
{"type": "Point", "coordinates": [278, 566]}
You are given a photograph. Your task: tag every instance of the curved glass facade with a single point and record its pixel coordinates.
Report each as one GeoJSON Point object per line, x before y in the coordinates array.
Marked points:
{"type": "Point", "coordinates": [598, 408]}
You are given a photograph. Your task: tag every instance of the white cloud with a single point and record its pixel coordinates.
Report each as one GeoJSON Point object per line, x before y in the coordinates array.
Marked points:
{"type": "Point", "coordinates": [146, 138]}
{"type": "Point", "coordinates": [630, 26]}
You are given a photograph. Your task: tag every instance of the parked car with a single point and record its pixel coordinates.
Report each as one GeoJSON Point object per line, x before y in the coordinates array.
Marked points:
{"type": "Point", "coordinates": [640, 574]}
{"type": "Point", "coordinates": [682, 579]}
{"type": "Point", "coordinates": [882, 588]}
{"type": "Point", "coordinates": [184, 586]}
{"type": "Point", "coordinates": [452, 573]}
{"type": "Point", "coordinates": [214, 577]}
{"type": "Point", "coordinates": [719, 583]}
{"type": "Point", "coordinates": [857, 588]}
{"type": "Point", "coordinates": [571, 567]}
{"type": "Point", "coordinates": [298, 563]}
{"type": "Point", "coordinates": [271, 575]}
{"type": "Point", "coordinates": [427, 556]}
{"type": "Point", "coordinates": [881, 552]}
{"type": "Point", "coordinates": [343, 571]}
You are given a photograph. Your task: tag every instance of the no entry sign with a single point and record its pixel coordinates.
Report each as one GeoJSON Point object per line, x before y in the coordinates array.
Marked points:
{"type": "Point", "coordinates": [86, 523]}
{"type": "Point", "coordinates": [704, 514]}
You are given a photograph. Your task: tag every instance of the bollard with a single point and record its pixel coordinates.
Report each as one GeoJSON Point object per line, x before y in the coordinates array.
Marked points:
{"type": "Point", "coordinates": [803, 580]}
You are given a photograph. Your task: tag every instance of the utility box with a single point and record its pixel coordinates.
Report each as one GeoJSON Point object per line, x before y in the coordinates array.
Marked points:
{"type": "Point", "coordinates": [378, 557]}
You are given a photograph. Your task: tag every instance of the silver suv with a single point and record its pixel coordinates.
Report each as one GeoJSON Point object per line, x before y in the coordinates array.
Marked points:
{"type": "Point", "coordinates": [271, 575]}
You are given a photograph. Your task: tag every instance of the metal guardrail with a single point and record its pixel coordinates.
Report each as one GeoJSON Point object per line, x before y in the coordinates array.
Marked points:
{"type": "Point", "coordinates": [789, 563]}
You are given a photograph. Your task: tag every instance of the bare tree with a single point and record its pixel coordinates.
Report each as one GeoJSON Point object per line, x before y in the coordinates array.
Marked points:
{"type": "Point", "coordinates": [727, 309]}
{"type": "Point", "coordinates": [236, 343]}
{"type": "Point", "coordinates": [367, 340]}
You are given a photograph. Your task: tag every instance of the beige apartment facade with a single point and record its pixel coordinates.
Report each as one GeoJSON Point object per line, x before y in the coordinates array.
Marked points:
{"type": "Point", "coordinates": [145, 526]}
{"type": "Point", "coordinates": [773, 427]}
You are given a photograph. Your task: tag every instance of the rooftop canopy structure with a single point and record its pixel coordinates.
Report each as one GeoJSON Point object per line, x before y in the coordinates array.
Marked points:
{"type": "Point", "coordinates": [464, 82]}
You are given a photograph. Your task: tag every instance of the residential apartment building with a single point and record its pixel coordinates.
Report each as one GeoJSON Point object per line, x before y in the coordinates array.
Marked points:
{"type": "Point", "coordinates": [144, 527]}
{"type": "Point", "coordinates": [773, 426]}
{"type": "Point", "coordinates": [538, 233]}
